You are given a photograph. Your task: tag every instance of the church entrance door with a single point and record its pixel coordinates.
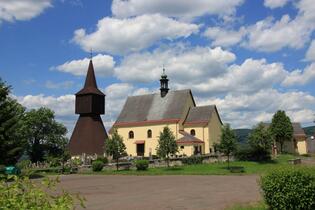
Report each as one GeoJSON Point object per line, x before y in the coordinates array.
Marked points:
{"type": "Point", "coordinates": [140, 149]}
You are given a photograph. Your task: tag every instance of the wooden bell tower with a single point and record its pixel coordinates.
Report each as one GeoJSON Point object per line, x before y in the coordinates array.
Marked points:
{"type": "Point", "coordinates": [89, 134]}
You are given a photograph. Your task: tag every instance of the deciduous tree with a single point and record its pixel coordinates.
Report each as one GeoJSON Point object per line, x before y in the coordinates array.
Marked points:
{"type": "Point", "coordinates": [115, 147]}
{"type": "Point", "coordinates": [166, 145]}
{"type": "Point", "coordinates": [281, 128]}
{"type": "Point", "coordinates": [228, 144]}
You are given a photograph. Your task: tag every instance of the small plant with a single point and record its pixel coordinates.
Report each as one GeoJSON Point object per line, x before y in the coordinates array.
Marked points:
{"type": "Point", "coordinates": [192, 160]}
{"type": "Point", "coordinates": [23, 164]}
{"type": "Point", "coordinates": [97, 165]}
{"type": "Point", "coordinates": [142, 165]}
{"type": "Point", "coordinates": [289, 189]}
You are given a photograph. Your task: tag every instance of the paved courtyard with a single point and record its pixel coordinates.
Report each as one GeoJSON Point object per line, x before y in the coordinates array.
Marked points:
{"type": "Point", "coordinates": [162, 192]}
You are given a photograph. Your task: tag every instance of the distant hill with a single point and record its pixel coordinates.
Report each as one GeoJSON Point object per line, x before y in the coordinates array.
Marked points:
{"type": "Point", "coordinates": [309, 131]}
{"type": "Point", "coordinates": [242, 134]}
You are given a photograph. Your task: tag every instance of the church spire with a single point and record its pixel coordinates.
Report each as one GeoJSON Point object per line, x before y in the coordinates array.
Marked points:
{"type": "Point", "coordinates": [164, 84]}
{"type": "Point", "coordinates": [90, 85]}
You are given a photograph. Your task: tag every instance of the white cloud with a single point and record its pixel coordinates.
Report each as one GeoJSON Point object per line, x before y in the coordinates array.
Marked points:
{"type": "Point", "coordinates": [299, 77]}
{"type": "Point", "coordinates": [182, 63]}
{"type": "Point", "coordinates": [57, 85]}
{"type": "Point", "coordinates": [120, 36]}
{"type": "Point", "coordinates": [11, 10]}
{"type": "Point", "coordinates": [246, 110]}
{"type": "Point", "coordinates": [251, 76]}
{"type": "Point", "coordinates": [223, 37]}
{"type": "Point", "coordinates": [272, 4]}
{"type": "Point", "coordinates": [103, 66]}
{"type": "Point", "coordinates": [174, 8]}
{"type": "Point", "coordinates": [310, 54]}
{"type": "Point", "coordinates": [268, 35]}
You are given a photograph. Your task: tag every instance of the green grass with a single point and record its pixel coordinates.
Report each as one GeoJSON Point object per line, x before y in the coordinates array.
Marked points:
{"type": "Point", "coordinates": [256, 206]}
{"type": "Point", "coordinates": [209, 169]}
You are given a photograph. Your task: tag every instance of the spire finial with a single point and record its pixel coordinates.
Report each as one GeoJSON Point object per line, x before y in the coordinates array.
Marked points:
{"type": "Point", "coordinates": [163, 69]}
{"type": "Point", "coordinates": [91, 54]}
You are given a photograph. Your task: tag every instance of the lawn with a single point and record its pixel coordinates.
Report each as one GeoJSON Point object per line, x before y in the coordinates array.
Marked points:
{"type": "Point", "coordinates": [209, 169]}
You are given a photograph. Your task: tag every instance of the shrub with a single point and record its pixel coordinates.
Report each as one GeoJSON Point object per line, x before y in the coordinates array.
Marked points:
{"type": "Point", "coordinates": [103, 159]}
{"type": "Point", "coordinates": [192, 160]}
{"type": "Point", "coordinates": [289, 189]}
{"type": "Point", "coordinates": [247, 153]}
{"type": "Point", "coordinates": [142, 165]}
{"type": "Point", "coordinates": [97, 165]}
{"type": "Point", "coordinates": [23, 164]}
{"type": "Point", "coordinates": [22, 193]}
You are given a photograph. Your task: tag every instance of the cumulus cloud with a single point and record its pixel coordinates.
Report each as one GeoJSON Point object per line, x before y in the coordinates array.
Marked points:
{"type": "Point", "coordinates": [182, 63]}
{"type": "Point", "coordinates": [310, 54]}
{"type": "Point", "coordinates": [176, 8]}
{"type": "Point", "coordinates": [22, 9]}
{"type": "Point", "coordinates": [246, 110]}
{"type": "Point", "coordinates": [224, 37]}
{"type": "Point", "coordinates": [299, 77]}
{"type": "Point", "coordinates": [269, 35]}
{"type": "Point", "coordinates": [103, 66]}
{"type": "Point", "coordinates": [272, 4]}
{"type": "Point", "coordinates": [121, 36]}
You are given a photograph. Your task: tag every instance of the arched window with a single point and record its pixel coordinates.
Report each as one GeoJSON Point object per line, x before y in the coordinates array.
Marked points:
{"type": "Point", "coordinates": [131, 135]}
{"type": "Point", "coordinates": [192, 132]}
{"type": "Point", "coordinates": [149, 134]}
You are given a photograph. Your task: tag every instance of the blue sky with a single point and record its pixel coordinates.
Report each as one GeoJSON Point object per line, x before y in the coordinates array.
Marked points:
{"type": "Point", "coordinates": [250, 58]}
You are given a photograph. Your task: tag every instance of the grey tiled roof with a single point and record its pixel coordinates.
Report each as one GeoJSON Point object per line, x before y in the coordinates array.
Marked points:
{"type": "Point", "coordinates": [187, 138]}
{"type": "Point", "coordinates": [152, 107]}
{"type": "Point", "coordinates": [200, 114]}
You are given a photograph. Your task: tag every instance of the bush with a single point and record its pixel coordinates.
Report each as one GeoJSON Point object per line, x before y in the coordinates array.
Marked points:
{"type": "Point", "coordinates": [103, 159]}
{"type": "Point", "coordinates": [142, 165]}
{"type": "Point", "coordinates": [22, 193]}
{"type": "Point", "coordinates": [97, 165]}
{"type": "Point", "coordinates": [23, 164]}
{"type": "Point", "coordinates": [289, 189]}
{"type": "Point", "coordinates": [247, 153]}
{"type": "Point", "coordinates": [192, 160]}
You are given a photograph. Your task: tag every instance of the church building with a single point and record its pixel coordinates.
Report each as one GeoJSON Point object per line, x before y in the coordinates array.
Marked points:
{"type": "Point", "coordinates": [143, 117]}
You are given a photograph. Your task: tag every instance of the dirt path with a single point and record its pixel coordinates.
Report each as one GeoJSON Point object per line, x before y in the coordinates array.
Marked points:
{"type": "Point", "coordinates": [163, 192]}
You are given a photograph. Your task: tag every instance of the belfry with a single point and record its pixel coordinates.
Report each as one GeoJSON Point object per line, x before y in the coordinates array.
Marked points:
{"type": "Point", "coordinates": [89, 134]}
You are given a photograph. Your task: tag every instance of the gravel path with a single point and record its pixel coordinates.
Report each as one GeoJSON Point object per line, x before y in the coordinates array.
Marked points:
{"type": "Point", "coordinates": [162, 192]}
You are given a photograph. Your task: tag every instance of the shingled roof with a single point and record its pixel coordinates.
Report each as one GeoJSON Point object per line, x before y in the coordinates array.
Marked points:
{"type": "Point", "coordinates": [200, 114]}
{"type": "Point", "coordinates": [154, 108]}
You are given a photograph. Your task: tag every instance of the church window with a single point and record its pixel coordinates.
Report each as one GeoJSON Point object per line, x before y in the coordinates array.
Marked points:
{"type": "Point", "coordinates": [131, 135]}
{"type": "Point", "coordinates": [149, 134]}
{"type": "Point", "coordinates": [192, 132]}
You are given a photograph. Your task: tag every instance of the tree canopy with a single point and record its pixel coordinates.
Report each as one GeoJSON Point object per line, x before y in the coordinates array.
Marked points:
{"type": "Point", "coordinates": [44, 135]}
{"type": "Point", "coordinates": [281, 128]}
{"type": "Point", "coordinates": [12, 141]}
{"type": "Point", "coordinates": [166, 145]}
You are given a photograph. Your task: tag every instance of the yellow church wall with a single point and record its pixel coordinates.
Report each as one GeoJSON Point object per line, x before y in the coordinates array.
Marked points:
{"type": "Point", "coordinates": [201, 133]}
{"type": "Point", "coordinates": [140, 134]}
{"type": "Point", "coordinates": [302, 147]}
{"type": "Point", "coordinates": [188, 150]}
{"type": "Point", "coordinates": [214, 130]}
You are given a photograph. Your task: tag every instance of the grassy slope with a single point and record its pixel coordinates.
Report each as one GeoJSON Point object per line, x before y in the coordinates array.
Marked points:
{"type": "Point", "coordinates": [208, 169]}
{"type": "Point", "coordinates": [309, 130]}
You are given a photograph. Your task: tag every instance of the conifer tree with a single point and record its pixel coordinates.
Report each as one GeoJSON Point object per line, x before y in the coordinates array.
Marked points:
{"type": "Point", "coordinates": [167, 145]}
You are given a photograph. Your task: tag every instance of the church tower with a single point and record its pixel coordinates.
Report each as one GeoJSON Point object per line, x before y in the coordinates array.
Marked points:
{"type": "Point", "coordinates": [164, 84]}
{"type": "Point", "coordinates": [89, 134]}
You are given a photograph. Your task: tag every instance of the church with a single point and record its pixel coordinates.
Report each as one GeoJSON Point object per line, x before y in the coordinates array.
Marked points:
{"type": "Point", "coordinates": [143, 117]}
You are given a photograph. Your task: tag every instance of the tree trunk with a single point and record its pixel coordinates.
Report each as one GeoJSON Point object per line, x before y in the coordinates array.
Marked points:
{"type": "Point", "coordinates": [281, 146]}
{"type": "Point", "coordinates": [228, 161]}
{"type": "Point", "coordinates": [117, 160]}
{"type": "Point", "coordinates": [167, 161]}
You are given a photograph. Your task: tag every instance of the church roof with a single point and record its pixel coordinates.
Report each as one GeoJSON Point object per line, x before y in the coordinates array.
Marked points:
{"type": "Point", "coordinates": [90, 86]}
{"type": "Point", "coordinates": [152, 108]}
{"type": "Point", "coordinates": [188, 139]}
{"type": "Point", "coordinates": [200, 115]}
